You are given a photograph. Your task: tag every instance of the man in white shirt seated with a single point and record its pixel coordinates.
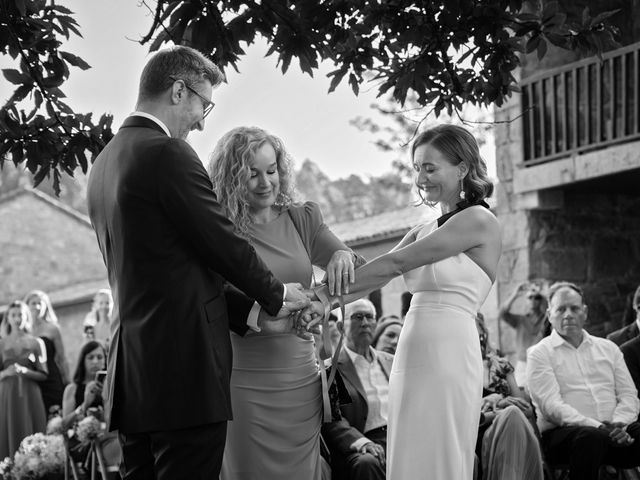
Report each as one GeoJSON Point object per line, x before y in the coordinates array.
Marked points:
{"type": "Point", "coordinates": [358, 442]}
{"type": "Point", "coordinates": [586, 402]}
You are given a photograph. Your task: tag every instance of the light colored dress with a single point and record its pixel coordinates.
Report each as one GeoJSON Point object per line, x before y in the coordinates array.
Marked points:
{"type": "Point", "coordinates": [435, 385]}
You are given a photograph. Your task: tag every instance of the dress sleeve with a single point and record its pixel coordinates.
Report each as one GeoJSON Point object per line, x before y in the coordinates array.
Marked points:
{"type": "Point", "coordinates": [320, 241]}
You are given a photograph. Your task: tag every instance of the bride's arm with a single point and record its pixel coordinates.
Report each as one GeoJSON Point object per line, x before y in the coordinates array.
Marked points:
{"type": "Point", "coordinates": [470, 228]}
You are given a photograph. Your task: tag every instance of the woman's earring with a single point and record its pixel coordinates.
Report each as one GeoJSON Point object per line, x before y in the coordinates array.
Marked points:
{"type": "Point", "coordinates": [462, 194]}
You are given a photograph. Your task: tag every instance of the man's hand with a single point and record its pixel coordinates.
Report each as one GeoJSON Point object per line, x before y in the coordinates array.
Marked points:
{"type": "Point", "coordinates": [618, 434]}
{"type": "Point", "coordinates": [376, 450]}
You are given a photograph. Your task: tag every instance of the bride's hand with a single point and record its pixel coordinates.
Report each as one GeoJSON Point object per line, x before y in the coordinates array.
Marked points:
{"type": "Point", "coordinates": [340, 272]}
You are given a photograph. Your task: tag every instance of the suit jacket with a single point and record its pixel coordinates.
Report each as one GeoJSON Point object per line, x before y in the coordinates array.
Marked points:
{"type": "Point", "coordinates": [624, 334]}
{"type": "Point", "coordinates": [168, 247]}
{"type": "Point", "coordinates": [631, 352]}
{"type": "Point", "coordinates": [341, 435]}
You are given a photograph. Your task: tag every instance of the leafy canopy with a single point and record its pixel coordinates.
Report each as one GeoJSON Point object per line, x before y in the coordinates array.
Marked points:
{"type": "Point", "coordinates": [444, 54]}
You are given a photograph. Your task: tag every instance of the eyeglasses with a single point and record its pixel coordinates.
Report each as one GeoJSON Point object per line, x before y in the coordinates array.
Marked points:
{"type": "Point", "coordinates": [207, 105]}
{"type": "Point", "coordinates": [360, 316]}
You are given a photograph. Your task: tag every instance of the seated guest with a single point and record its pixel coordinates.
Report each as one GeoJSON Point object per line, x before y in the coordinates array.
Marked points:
{"type": "Point", "coordinates": [586, 402]}
{"type": "Point", "coordinates": [358, 442]}
{"type": "Point", "coordinates": [632, 330]}
{"type": "Point", "coordinates": [84, 396]}
{"type": "Point", "coordinates": [507, 443]}
{"type": "Point", "coordinates": [387, 333]}
{"type": "Point", "coordinates": [631, 352]}
{"type": "Point", "coordinates": [85, 391]}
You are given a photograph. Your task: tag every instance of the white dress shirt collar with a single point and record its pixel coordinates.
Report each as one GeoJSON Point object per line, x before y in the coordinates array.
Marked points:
{"type": "Point", "coordinates": [557, 340]}
{"type": "Point", "coordinates": [153, 119]}
{"type": "Point", "coordinates": [353, 355]}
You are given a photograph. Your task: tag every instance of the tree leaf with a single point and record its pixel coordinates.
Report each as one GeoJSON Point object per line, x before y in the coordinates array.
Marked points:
{"type": "Point", "coordinates": [75, 60]}
{"type": "Point", "coordinates": [16, 77]}
{"type": "Point", "coordinates": [542, 49]}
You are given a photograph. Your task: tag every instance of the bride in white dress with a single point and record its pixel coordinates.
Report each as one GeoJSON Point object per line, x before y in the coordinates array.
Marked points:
{"type": "Point", "coordinates": [449, 265]}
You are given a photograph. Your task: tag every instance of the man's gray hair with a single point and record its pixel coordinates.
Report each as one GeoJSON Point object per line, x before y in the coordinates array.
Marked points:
{"type": "Point", "coordinates": [179, 62]}
{"type": "Point", "coordinates": [353, 306]}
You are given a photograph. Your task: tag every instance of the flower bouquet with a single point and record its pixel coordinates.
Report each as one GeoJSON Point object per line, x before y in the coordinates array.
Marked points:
{"type": "Point", "coordinates": [40, 457]}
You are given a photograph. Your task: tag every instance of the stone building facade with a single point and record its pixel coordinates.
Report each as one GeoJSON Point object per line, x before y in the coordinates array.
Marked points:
{"type": "Point", "coordinates": [46, 245]}
{"type": "Point", "coordinates": [569, 169]}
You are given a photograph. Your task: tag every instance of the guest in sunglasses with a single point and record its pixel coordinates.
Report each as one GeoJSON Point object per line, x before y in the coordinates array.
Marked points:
{"type": "Point", "coordinates": [529, 325]}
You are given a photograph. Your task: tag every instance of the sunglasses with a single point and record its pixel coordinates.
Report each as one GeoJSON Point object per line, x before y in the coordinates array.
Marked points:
{"type": "Point", "coordinates": [207, 105]}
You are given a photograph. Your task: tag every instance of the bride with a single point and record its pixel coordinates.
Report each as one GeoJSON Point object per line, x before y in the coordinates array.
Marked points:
{"type": "Point", "coordinates": [449, 265]}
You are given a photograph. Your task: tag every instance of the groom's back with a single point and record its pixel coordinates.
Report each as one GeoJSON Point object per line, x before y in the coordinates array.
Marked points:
{"type": "Point", "coordinates": [162, 289]}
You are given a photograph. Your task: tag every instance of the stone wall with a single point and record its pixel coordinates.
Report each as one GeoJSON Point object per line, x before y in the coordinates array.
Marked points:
{"type": "Point", "coordinates": [44, 247]}
{"type": "Point", "coordinates": [593, 241]}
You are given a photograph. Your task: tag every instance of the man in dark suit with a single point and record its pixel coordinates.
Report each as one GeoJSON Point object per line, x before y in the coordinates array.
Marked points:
{"type": "Point", "coordinates": [631, 352]}
{"type": "Point", "coordinates": [358, 442]}
{"type": "Point", "coordinates": [632, 330]}
{"type": "Point", "coordinates": [168, 249]}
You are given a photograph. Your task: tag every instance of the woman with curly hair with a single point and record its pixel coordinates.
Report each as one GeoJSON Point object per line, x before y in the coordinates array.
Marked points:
{"type": "Point", "coordinates": [275, 386]}
{"type": "Point", "coordinates": [45, 326]}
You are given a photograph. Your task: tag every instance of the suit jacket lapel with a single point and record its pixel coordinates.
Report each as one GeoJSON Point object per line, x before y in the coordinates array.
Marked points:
{"type": "Point", "coordinates": [385, 363]}
{"type": "Point", "coordinates": [348, 371]}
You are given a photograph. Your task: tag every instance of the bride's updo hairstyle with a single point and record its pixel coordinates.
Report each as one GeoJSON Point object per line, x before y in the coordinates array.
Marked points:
{"type": "Point", "coordinates": [457, 145]}
{"type": "Point", "coordinates": [230, 171]}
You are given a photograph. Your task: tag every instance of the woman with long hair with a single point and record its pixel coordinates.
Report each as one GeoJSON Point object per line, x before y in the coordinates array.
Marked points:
{"type": "Point", "coordinates": [23, 366]}
{"type": "Point", "coordinates": [97, 323]}
{"type": "Point", "coordinates": [275, 386]}
{"type": "Point", "coordinates": [45, 326]}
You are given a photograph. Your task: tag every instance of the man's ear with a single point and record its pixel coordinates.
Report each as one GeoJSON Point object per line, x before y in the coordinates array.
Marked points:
{"type": "Point", "coordinates": [177, 91]}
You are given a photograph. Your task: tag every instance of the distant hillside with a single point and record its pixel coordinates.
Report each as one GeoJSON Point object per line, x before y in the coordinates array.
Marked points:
{"type": "Point", "coordinates": [341, 200]}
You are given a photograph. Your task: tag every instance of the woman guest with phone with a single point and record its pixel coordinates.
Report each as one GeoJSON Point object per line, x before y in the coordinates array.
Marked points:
{"type": "Point", "coordinates": [85, 391]}
{"type": "Point", "coordinates": [84, 394]}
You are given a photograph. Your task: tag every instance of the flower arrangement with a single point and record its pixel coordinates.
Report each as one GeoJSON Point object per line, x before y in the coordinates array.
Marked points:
{"type": "Point", "coordinates": [88, 428]}
{"type": "Point", "coordinates": [39, 457]}
{"type": "Point", "coordinates": [54, 426]}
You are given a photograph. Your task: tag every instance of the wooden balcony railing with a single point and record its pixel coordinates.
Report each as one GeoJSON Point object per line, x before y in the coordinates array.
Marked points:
{"type": "Point", "coordinates": [582, 106]}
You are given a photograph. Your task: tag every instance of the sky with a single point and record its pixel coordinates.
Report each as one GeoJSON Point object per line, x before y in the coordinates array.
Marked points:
{"type": "Point", "coordinates": [313, 125]}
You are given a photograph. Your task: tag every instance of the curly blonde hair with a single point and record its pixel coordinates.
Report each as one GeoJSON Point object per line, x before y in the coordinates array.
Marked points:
{"type": "Point", "coordinates": [230, 171]}
{"type": "Point", "coordinates": [458, 145]}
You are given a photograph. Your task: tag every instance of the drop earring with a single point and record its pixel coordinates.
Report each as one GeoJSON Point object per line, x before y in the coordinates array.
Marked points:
{"type": "Point", "coordinates": [462, 193]}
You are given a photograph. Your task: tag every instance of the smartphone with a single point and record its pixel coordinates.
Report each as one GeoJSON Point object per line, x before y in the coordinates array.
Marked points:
{"type": "Point", "coordinates": [101, 376]}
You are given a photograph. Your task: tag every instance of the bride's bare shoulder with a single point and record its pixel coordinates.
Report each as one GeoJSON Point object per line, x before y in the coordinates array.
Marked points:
{"type": "Point", "coordinates": [478, 215]}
